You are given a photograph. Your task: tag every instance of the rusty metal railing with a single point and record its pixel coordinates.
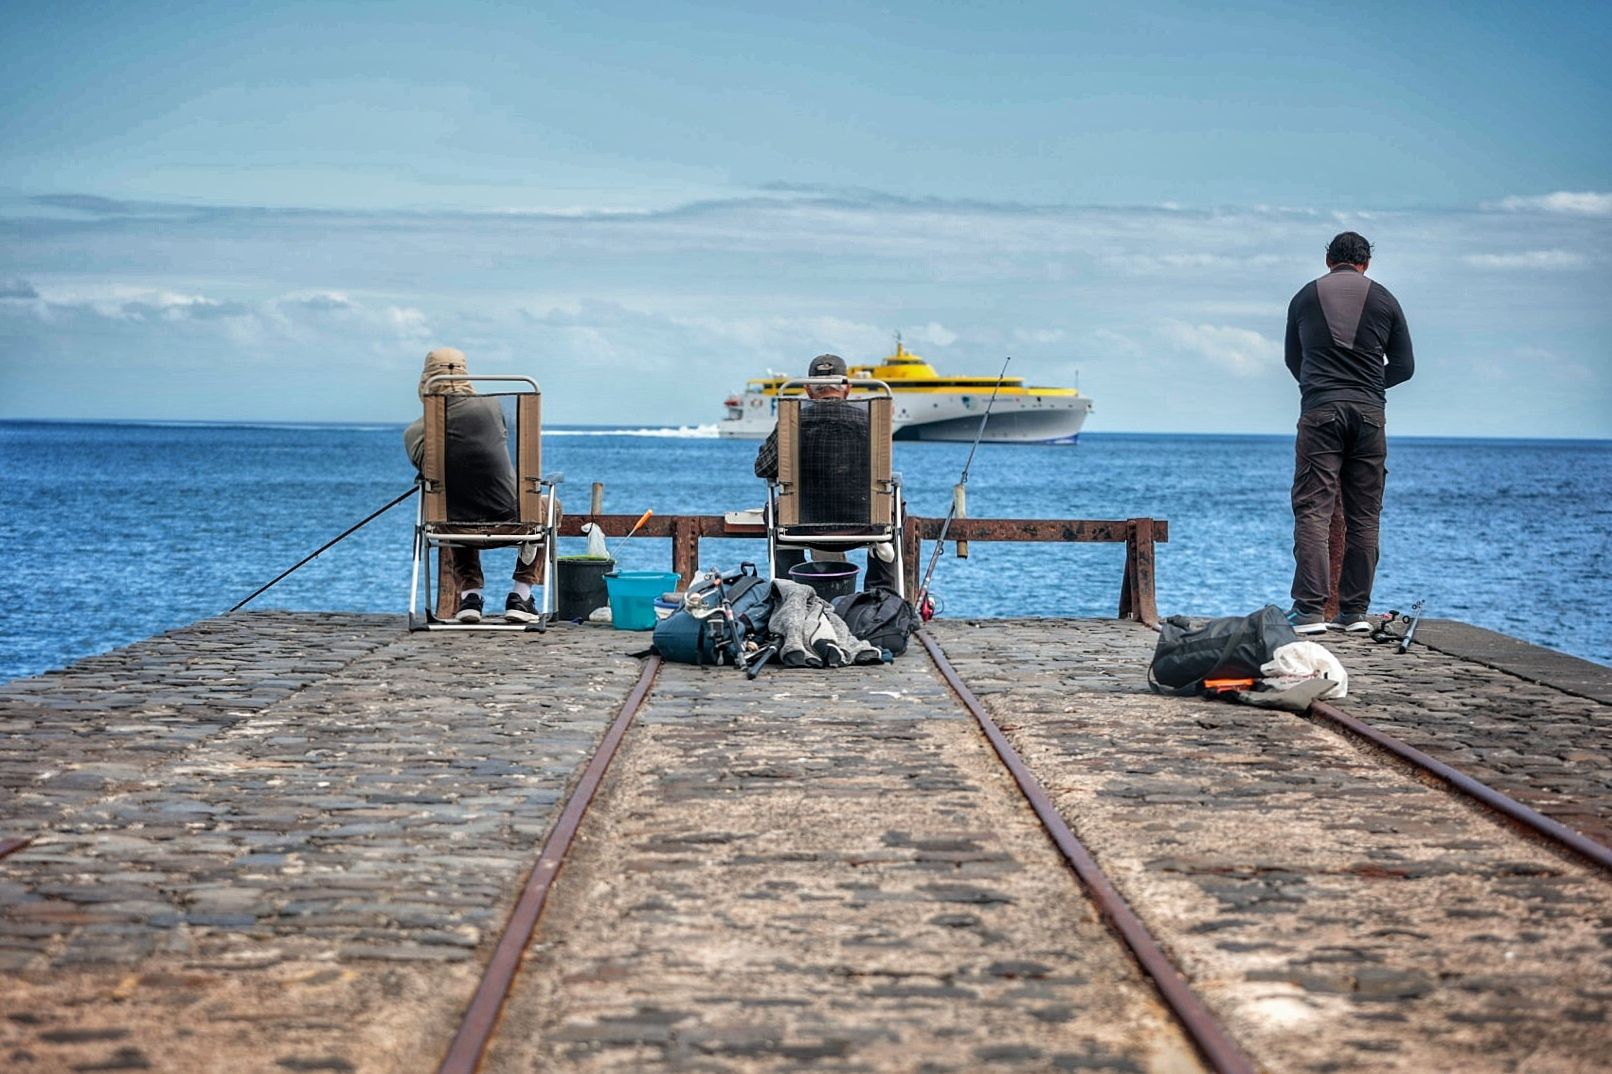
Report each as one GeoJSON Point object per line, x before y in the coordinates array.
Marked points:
{"type": "Point", "coordinates": [1136, 599]}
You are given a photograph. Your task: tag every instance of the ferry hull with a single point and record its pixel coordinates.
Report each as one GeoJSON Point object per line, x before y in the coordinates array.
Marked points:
{"type": "Point", "coordinates": [1010, 423]}
{"type": "Point", "coordinates": [929, 406]}
{"type": "Point", "coordinates": [1021, 427]}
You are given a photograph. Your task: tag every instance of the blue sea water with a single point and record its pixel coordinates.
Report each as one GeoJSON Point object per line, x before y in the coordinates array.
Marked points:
{"type": "Point", "coordinates": [114, 532]}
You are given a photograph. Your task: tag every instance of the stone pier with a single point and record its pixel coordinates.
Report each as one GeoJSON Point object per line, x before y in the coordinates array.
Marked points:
{"type": "Point", "coordinates": [287, 842]}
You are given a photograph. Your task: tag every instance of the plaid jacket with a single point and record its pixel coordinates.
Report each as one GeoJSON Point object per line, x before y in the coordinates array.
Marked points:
{"type": "Point", "coordinates": [833, 459]}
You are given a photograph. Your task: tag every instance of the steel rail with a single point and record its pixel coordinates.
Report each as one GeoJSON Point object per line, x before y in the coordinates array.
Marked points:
{"type": "Point", "coordinates": [1554, 832]}
{"type": "Point", "coordinates": [1211, 1040]}
{"type": "Point", "coordinates": [12, 845]}
{"type": "Point", "coordinates": [480, 1019]}
{"type": "Point", "coordinates": [1575, 843]}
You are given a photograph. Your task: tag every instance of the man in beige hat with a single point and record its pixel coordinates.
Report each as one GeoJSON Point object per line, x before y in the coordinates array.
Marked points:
{"type": "Point", "coordinates": [481, 482]}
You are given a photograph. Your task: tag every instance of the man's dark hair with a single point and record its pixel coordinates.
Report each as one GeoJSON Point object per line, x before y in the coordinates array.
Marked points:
{"type": "Point", "coordinates": [1349, 248]}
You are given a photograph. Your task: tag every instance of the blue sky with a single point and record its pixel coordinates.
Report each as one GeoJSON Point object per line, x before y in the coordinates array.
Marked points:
{"type": "Point", "coordinates": [271, 211]}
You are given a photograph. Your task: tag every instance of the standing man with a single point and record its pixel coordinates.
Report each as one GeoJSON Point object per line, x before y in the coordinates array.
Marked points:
{"type": "Point", "coordinates": [1347, 344]}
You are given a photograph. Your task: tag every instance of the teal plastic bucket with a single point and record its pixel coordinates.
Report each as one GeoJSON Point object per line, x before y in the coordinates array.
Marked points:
{"type": "Point", "coordinates": [632, 597]}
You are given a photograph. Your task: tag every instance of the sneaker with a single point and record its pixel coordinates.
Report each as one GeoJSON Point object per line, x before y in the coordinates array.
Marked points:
{"type": "Point", "coordinates": [1355, 622]}
{"type": "Point", "coordinates": [519, 609]}
{"type": "Point", "coordinates": [1307, 622]}
{"type": "Point", "coordinates": [469, 609]}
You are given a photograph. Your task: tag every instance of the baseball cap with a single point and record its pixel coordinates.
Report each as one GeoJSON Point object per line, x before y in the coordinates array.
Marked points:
{"type": "Point", "coordinates": [826, 365]}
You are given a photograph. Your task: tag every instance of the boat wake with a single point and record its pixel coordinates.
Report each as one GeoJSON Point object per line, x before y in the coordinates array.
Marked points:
{"type": "Point", "coordinates": [674, 432]}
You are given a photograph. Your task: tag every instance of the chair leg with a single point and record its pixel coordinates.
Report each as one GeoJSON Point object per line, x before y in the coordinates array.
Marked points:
{"type": "Point", "coordinates": [772, 540]}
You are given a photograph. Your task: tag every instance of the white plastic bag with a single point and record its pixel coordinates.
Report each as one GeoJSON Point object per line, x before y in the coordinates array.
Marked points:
{"type": "Point", "coordinates": [1300, 661]}
{"type": "Point", "coordinates": [596, 541]}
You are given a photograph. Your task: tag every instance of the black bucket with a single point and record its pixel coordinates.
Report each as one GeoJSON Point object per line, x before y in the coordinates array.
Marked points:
{"type": "Point", "coordinates": [829, 579]}
{"type": "Point", "coordinates": [580, 587]}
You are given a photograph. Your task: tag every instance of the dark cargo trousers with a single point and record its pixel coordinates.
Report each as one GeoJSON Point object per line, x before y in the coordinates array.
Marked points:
{"type": "Point", "coordinates": [1341, 447]}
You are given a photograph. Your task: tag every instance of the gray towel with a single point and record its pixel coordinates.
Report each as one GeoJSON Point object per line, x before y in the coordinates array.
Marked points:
{"type": "Point", "coordinates": [813, 636]}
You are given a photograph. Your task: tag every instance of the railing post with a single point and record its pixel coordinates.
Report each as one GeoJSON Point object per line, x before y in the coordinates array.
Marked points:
{"type": "Point", "coordinates": [1335, 539]}
{"type": "Point", "coordinates": [1136, 599]}
{"type": "Point", "coordinates": [596, 506]}
{"type": "Point", "coordinates": [960, 505]}
{"type": "Point", "coordinates": [447, 586]}
{"type": "Point", "coordinates": [685, 547]}
{"type": "Point", "coordinates": [911, 552]}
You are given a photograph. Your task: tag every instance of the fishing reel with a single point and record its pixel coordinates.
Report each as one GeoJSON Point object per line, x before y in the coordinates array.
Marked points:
{"type": "Point", "coordinates": [1385, 632]}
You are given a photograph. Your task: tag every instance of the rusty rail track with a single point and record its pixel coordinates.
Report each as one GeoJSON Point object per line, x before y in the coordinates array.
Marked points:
{"type": "Point", "coordinates": [1534, 823]}
{"type": "Point", "coordinates": [11, 846]}
{"type": "Point", "coordinates": [1211, 1040]}
{"type": "Point", "coordinates": [1575, 844]}
{"type": "Point", "coordinates": [480, 1019]}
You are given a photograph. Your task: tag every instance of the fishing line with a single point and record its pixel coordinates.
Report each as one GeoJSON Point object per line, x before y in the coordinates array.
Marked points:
{"type": "Point", "coordinates": [940, 543]}
{"type": "Point", "coordinates": [315, 553]}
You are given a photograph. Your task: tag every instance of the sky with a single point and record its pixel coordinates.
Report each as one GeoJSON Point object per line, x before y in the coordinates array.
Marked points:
{"type": "Point", "coordinates": [245, 212]}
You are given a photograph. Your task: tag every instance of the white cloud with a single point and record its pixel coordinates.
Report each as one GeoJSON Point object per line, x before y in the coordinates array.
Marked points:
{"type": "Point", "coordinates": [1240, 351]}
{"type": "Point", "coordinates": [1527, 259]}
{"type": "Point", "coordinates": [1039, 336]}
{"type": "Point", "coordinates": [671, 308]}
{"type": "Point", "coordinates": [937, 334]}
{"type": "Point", "coordinates": [1584, 203]}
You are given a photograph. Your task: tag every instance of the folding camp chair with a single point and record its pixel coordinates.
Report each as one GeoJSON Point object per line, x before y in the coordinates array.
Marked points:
{"type": "Point", "coordinates": [834, 500]}
{"type": "Point", "coordinates": [534, 531]}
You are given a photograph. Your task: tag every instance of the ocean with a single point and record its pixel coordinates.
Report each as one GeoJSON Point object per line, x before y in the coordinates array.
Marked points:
{"type": "Point", "coordinates": [117, 531]}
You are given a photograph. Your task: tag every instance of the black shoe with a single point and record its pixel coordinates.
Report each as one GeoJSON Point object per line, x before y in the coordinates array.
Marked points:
{"type": "Point", "coordinates": [1355, 622]}
{"type": "Point", "coordinates": [520, 609]}
{"type": "Point", "coordinates": [1307, 622]}
{"type": "Point", "coordinates": [469, 608]}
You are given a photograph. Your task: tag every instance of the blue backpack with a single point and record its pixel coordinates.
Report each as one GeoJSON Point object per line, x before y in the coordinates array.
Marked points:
{"type": "Point", "coordinates": [703, 632]}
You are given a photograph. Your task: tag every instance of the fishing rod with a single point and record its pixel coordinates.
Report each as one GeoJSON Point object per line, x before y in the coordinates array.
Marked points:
{"type": "Point", "coordinates": [315, 553]}
{"type": "Point", "coordinates": [641, 520]}
{"type": "Point", "coordinates": [926, 608]}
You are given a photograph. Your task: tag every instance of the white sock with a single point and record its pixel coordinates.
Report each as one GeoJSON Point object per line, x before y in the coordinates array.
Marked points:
{"type": "Point", "coordinates": [470, 592]}
{"type": "Point", "coordinates": [523, 590]}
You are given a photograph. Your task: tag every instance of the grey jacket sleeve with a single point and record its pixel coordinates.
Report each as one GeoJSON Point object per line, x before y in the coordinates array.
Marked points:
{"type": "Point", "coordinates": [414, 441]}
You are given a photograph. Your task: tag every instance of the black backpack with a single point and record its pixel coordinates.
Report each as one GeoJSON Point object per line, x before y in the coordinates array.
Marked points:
{"type": "Point", "coordinates": [1234, 647]}
{"type": "Point", "coordinates": [878, 616]}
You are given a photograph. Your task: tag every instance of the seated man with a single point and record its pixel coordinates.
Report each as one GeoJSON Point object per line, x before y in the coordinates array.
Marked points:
{"type": "Point", "coordinates": [834, 452]}
{"type": "Point", "coordinates": [480, 480]}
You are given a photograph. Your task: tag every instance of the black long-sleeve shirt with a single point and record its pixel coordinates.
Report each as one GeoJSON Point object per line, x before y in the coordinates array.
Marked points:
{"type": "Point", "coordinates": [1347, 340]}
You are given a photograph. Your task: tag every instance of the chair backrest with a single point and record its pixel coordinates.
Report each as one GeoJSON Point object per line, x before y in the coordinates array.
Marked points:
{"type": "Point", "coordinates": [528, 463]}
{"type": "Point", "coordinates": [834, 460]}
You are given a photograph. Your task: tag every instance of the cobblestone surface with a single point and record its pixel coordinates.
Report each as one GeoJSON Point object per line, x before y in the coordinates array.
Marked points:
{"type": "Point", "coordinates": [71, 736]}
{"type": "Point", "coordinates": [1548, 749]}
{"type": "Point", "coordinates": [822, 871]}
{"type": "Point", "coordinates": [308, 865]}
{"type": "Point", "coordinates": [1337, 913]}
{"type": "Point", "coordinates": [284, 842]}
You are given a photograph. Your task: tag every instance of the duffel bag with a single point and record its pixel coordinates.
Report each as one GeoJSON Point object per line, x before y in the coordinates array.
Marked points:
{"type": "Point", "coordinates": [878, 616]}
{"type": "Point", "coordinates": [1233, 647]}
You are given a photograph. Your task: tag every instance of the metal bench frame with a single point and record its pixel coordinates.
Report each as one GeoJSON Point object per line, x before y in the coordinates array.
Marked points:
{"type": "Point", "coordinates": [885, 522]}
{"type": "Point", "coordinates": [536, 503]}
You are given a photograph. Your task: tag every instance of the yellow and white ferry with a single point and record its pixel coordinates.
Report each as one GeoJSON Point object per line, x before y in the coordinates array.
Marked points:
{"type": "Point", "coordinates": [929, 406]}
